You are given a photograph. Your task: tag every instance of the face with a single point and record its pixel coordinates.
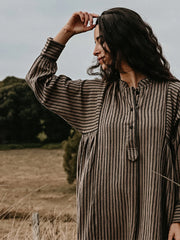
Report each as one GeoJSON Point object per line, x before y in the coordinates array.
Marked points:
{"type": "Point", "coordinates": [103, 56]}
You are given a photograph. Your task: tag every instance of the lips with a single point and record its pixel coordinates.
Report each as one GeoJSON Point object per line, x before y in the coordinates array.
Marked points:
{"type": "Point", "coordinates": [100, 59]}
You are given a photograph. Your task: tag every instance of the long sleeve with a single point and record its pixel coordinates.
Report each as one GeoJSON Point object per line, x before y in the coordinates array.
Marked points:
{"type": "Point", "coordinates": [176, 146]}
{"type": "Point", "coordinates": [173, 134]}
{"type": "Point", "coordinates": [176, 217]}
{"type": "Point", "coordinates": [77, 101]}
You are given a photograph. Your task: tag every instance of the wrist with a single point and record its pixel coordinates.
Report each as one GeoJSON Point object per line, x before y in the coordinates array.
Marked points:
{"type": "Point", "coordinates": [63, 36]}
{"type": "Point", "coordinates": [67, 31]}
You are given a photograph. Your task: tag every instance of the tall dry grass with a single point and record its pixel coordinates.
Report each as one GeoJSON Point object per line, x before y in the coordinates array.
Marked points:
{"type": "Point", "coordinates": [19, 225]}
{"type": "Point", "coordinates": [33, 180]}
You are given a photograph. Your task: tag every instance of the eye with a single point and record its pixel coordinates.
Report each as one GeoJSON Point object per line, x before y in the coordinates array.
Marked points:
{"type": "Point", "coordinates": [101, 40]}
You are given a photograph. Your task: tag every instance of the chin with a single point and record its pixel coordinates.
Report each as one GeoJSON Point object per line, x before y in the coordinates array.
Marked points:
{"type": "Point", "coordinates": [104, 67]}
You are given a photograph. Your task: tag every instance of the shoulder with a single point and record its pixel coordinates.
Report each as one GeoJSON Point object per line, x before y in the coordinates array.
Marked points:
{"type": "Point", "coordinates": [173, 106]}
{"type": "Point", "coordinates": [174, 87]}
{"type": "Point", "coordinates": [97, 82]}
{"type": "Point", "coordinates": [88, 85]}
{"type": "Point", "coordinates": [173, 98]}
{"type": "Point", "coordinates": [173, 92]}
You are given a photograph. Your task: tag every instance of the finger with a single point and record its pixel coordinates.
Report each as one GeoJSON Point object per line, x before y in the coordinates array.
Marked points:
{"type": "Point", "coordinates": [90, 19]}
{"type": "Point", "coordinates": [170, 236]}
{"type": "Point", "coordinates": [81, 14]}
{"type": "Point", "coordinates": [89, 28]}
{"type": "Point", "coordinates": [95, 15]}
{"type": "Point", "coordinates": [86, 15]}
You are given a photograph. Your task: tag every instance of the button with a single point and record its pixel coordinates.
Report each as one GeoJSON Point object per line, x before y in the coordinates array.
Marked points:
{"type": "Point", "coordinates": [137, 92]}
{"type": "Point", "coordinates": [131, 127]}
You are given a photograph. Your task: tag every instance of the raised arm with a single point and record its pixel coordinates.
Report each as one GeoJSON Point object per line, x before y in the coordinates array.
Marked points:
{"type": "Point", "coordinates": [78, 102]}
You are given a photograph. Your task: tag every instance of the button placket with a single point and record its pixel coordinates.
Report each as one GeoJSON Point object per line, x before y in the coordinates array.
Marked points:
{"type": "Point", "coordinates": [137, 93]}
{"type": "Point", "coordinates": [132, 150]}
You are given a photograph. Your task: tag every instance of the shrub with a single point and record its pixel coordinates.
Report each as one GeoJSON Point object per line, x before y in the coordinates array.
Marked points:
{"type": "Point", "coordinates": [70, 155]}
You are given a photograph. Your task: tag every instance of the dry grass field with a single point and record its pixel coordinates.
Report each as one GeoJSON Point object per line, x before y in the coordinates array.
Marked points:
{"type": "Point", "coordinates": [33, 180]}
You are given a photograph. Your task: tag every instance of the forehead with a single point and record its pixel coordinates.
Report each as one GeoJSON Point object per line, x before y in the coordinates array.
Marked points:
{"type": "Point", "coordinates": [96, 32]}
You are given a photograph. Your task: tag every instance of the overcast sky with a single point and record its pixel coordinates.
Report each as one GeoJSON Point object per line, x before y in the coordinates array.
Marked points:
{"type": "Point", "coordinates": [26, 24]}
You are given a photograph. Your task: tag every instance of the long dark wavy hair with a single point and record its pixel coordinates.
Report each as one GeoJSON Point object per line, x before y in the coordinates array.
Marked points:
{"type": "Point", "coordinates": [132, 40]}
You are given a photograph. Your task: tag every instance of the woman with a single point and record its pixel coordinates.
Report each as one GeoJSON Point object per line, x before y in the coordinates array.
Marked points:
{"type": "Point", "coordinates": [128, 166]}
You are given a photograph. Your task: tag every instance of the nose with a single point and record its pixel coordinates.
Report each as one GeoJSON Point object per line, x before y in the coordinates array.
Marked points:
{"type": "Point", "coordinates": [96, 50]}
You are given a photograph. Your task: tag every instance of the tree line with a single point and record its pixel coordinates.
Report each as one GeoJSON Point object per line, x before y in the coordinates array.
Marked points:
{"type": "Point", "coordinates": [23, 119]}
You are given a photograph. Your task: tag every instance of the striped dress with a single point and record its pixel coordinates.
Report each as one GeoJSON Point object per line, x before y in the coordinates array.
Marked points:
{"type": "Point", "coordinates": [129, 147]}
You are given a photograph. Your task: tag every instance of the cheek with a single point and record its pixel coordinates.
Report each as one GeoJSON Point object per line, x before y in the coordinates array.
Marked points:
{"type": "Point", "coordinates": [106, 46]}
{"type": "Point", "coordinates": [109, 59]}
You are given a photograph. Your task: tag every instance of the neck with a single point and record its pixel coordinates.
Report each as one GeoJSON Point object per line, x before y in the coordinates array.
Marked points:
{"type": "Point", "coordinates": [130, 76]}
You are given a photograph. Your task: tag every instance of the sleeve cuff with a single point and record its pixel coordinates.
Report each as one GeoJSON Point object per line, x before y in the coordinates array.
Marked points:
{"type": "Point", "coordinates": [176, 216]}
{"type": "Point", "coordinates": [52, 49]}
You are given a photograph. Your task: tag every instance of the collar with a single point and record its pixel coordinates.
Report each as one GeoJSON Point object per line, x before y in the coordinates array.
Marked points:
{"type": "Point", "coordinates": [141, 84]}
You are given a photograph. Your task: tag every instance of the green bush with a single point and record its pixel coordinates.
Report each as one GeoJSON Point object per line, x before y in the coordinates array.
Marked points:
{"type": "Point", "coordinates": [70, 155]}
{"type": "Point", "coordinates": [23, 119]}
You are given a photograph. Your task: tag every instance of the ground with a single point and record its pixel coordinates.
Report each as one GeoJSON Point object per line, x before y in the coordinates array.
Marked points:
{"type": "Point", "coordinates": [33, 180]}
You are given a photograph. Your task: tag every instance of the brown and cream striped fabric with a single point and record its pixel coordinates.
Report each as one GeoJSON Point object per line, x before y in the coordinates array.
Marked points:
{"type": "Point", "coordinates": [129, 147]}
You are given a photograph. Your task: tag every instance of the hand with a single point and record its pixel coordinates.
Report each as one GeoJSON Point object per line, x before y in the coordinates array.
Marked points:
{"type": "Point", "coordinates": [174, 231]}
{"type": "Point", "coordinates": [80, 22]}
